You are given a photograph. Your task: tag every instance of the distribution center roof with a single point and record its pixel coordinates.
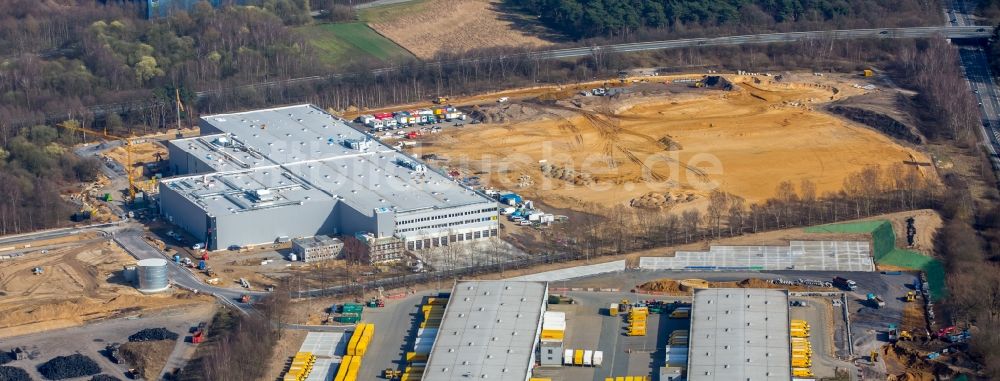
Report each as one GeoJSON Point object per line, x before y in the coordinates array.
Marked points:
{"type": "Point", "coordinates": [302, 152]}
{"type": "Point", "coordinates": [739, 334]}
{"type": "Point", "coordinates": [488, 331]}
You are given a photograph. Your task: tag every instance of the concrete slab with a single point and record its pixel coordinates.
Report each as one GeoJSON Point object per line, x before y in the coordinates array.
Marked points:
{"type": "Point", "coordinates": [575, 272]}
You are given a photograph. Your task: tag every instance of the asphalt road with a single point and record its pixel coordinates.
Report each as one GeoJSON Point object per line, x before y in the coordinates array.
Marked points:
{"type": "Point", "coordinates": [133, 242]}
{"type": "Point", "coordinates": [977, 72]}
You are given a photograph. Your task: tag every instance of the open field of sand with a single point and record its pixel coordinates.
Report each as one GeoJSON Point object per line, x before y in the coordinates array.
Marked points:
{"type": "Point", "coordinates": [80, 282]}
{"type": "Point", "coordinates": [671, 143]}
{"type": "Point", "coordinates": [434, 26]}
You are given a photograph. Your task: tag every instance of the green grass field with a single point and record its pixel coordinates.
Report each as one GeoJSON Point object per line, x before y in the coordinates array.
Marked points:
{"type": "Point", "coordinates": [344, 43]}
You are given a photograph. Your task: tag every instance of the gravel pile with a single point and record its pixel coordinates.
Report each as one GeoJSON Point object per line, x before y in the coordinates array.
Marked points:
{"type": "Point", "coordinates": [71, 366]}
{"type": "Point", "coordinates": [6, 357]}
{"type": "Point", "coordinates": [9, 373]}
{"type": "Point", "coordinates": [104, 377]}
{"type": "Point", "coordinates": [153, 334]}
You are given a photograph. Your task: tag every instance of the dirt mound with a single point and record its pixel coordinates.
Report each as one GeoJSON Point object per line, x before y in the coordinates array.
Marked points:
{"type": "Point", "coordinates": [9, 373]}
{"type": "Point", "coordinates": [152, 334]}
{"type": "Point", "coordinates": [889, 113]}
{"type": "Point", "coordinates": [670, 286]}
{"type": "Point", "coordinates": [148, 357]}
{"type": "Point", "coordinates": [655, 200]}
{"type": "Point", "coordinates": [71, 366]}
{"type": "Point", "coordinates": [566, 174]}
{"type": "Point", "coordinates": [506, 113]}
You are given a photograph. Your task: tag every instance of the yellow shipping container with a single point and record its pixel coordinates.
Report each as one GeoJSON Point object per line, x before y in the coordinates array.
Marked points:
{"type": "Point", "coordinates": [416, 357]}
{"type": "Point", "coordinates": [539, 379]}
{"type": "Point", "coordinates": [342, 368]}
{"type": "Point", "coordinates": [553, 334]}
{"type": "Point", "coordinates": [291, 377]}
{"type": "Point", "coordinates": [578, 357]}
{"type": "Point", "coordinates": [366, 338]}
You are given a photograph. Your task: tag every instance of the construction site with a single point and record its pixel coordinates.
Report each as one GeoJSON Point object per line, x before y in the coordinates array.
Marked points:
{"type": "Point", "coordinates": [660, 142]}
{"type": "Point", "coordinates": [71, 281]}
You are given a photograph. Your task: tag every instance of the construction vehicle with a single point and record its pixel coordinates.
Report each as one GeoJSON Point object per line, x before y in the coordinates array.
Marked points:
{"type": "Point", "coordinates": [441, 100]}
{"type": "Point", "coordinates": [392, 374]}
{"type": "Point", "coordinates": [873, 356]}
{"type": "Point", "coordinates": [875, 300]}
{"type": "Point", "coordinates": [905, 336]}
{"type": "Point", "coordinates": [867, 73]}
{"type": "Point", "coordinates": [845, 283]}
{"type": "Point", "coordinates": [37, 271]}
{"type": "Point", "coordinates": [893, 333]}
{"type": "Point", "coordinates": [911, 296]}
{"type": "Point", "coordinates": [133, 186]}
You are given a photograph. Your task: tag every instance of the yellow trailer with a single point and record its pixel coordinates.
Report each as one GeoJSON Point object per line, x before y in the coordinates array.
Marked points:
{"type": "Point", "coordinates": [578, 357]}
{"type": "Point", "coordinates": [802, 372]}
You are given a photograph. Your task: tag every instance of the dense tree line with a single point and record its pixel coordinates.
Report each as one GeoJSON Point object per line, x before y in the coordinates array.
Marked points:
{"type": "Point", "coordinates": [871, 192]}
{"type": "Point", "coordinates": [34, 166]}
{"type": "Point", "coordinates": [60, 59]}
{"type": "Point", "coordinates": [595, 18]}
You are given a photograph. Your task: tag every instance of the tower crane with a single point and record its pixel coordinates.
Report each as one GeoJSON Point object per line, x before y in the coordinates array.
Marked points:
{"type": "Point", "coordinates": [126, 142]}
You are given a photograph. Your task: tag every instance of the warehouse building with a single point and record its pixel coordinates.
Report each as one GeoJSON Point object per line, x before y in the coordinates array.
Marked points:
{"type": "Point", "coordinates": [490, 331]}
{"type": "Point", "coordinates": [271, 175]}
{"type": "Point", "coordinates": [739, 334]}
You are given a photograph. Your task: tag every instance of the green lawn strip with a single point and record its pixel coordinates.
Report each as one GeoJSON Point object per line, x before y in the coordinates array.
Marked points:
{"type": "Point", "coordinates": [348, 42]}
{"type": "Point", "coordinates": [885, 252]}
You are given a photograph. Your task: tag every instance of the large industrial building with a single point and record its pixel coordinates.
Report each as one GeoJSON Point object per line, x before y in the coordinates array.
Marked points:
{"type": "Point", "coordinates": [489, 331]}
{"type": "Point", "coordinates": [271, 175]}
{"type": "Point", "coordinates": [739, 334]}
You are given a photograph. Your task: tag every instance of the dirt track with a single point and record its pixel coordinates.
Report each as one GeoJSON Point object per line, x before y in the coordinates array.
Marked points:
{"type": "Point", "coordinates": [745, 141]}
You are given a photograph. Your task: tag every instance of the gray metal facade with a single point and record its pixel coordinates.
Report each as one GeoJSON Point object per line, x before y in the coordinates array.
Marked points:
{"type": "Point", "coordinates": [489, 331]}
{"type": "Point", "coordinates": [297, 171]}
{"type": "Point", "coordinates": [739, 334]}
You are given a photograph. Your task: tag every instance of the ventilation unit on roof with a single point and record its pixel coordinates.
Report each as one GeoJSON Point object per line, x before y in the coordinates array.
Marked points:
{"type": "Point", "coordinates": [416, 167]}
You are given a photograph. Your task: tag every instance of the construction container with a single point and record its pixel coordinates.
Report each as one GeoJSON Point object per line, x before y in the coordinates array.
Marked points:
{"type": "Point", "coordinates": [348, 318]}
{"type": "Point", "coordinates": [568, 357]}
{"type": "Point", "coordinates": [588, 358]}
{"type": "Point", "coordinates": [802, 372]}
{"type": "Point", "coordinates": [356, 308]}
{"type": "Point", "coordinates": [342, 368]}
{"type": "Point", "coordinates": [353, 369]}
{"type": "Point", "coordinates": [613, 309]}
{"type": "Point", "coordinates": [578, 357]}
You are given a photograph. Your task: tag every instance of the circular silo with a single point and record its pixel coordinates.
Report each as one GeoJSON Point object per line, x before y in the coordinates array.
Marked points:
{"type": "Point", "coordinates": [152, 275]}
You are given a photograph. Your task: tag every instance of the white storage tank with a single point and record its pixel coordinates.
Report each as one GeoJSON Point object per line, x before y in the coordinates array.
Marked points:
{"type": "Point", "coordinates": [152, 275]}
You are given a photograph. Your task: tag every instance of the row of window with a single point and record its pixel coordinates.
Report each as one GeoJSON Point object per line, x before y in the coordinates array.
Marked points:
{"type": "Point", "coordinates": [438, 217]}
{"type": "Point", "coordinates": [441, 241]}
{"type": "Point", "coordinates": [450, 224]}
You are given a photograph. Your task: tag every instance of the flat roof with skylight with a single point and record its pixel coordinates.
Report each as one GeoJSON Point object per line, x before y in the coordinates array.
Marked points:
{"type": "Point", "coordinates": [307, 154]}
{"type": "Point", "coordinates": [739, 334]}
{"type": "Point", "coordinates": [488, 332]}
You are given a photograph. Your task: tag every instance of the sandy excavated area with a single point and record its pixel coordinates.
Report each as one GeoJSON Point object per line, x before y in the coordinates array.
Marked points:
{"type": "Point", "coordinates": [79, 284]}
{"type": "Point", "coordinates": [454, 26]}
{"type": "Point", "coordinates": [678, 144]}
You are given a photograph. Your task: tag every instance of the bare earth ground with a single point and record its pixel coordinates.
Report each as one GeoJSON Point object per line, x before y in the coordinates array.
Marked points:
{"type": "Point", "coordinates": [746, 141]}
{"type": "Point", "coordinates": [454, 26]}
{"type": "Point", "coordinates": [79, 284]}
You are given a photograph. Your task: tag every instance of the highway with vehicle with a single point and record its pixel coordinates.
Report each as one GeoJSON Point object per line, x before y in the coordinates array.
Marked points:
{"type": "Point", "coordinates": [976, 66]}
